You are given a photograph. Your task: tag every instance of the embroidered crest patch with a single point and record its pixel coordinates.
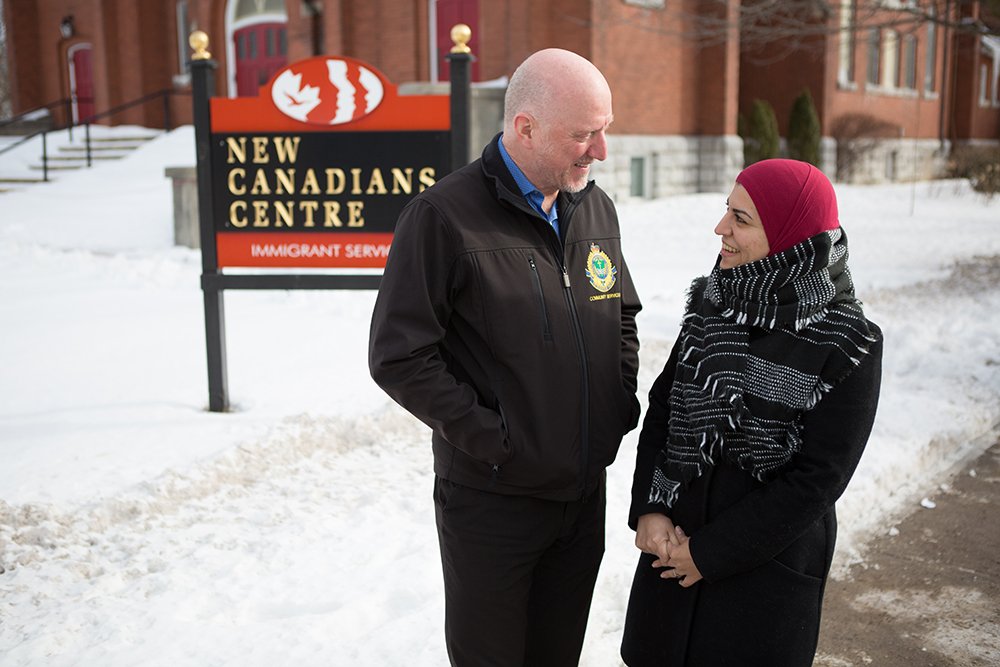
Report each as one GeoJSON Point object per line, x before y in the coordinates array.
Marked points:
{"type": "Point", "coordinates": [600, 271]}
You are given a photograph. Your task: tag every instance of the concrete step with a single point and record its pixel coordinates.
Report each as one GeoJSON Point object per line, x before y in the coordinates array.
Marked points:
{"type": "Point", "coordinates": [73, 157]}
{"type": "Point", "coordinates": [59, 167]}
{"type": "Point", "coordinates": [19, 181]}
{"type": "Point", "coordinates": [97, 148]}
{"type": "Point", "coordinates": [83, 158]}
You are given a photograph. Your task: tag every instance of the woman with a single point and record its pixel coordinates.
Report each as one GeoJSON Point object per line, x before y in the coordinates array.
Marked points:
{"type": "Point", "coordinates": [754, 429]}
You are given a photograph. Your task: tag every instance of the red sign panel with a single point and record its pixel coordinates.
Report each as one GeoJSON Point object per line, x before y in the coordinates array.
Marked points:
{"type": "Point", "coordinates": [315, 170]}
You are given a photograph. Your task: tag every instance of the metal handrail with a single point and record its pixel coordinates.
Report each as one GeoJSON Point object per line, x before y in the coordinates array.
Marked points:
{"type": "Point", "coordinates": [66, 101]}
{"type": "Point", "coordinates": [165, 94]}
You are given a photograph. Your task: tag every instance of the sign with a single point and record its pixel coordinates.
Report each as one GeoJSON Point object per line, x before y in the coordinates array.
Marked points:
{"type": "Point", "coordinates": [312, 172]}
{"type": "Point", "coordinates": [315, 170]}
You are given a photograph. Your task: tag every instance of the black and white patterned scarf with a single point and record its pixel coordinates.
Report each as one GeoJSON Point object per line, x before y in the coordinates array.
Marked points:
{"type": "Point", "coordinates": [739, 392]}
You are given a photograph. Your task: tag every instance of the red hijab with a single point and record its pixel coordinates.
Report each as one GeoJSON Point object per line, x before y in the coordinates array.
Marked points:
{"type": "Point", "coordinates": [795, 201]}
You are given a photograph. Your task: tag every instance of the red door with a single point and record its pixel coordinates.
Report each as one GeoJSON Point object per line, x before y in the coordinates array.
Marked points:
{"type": "Point", "coordinates": [450, 12]}
{"type": "Point", "coordinates": [81, 82]}
{"type": "Point", "coordinates": [260, 52]}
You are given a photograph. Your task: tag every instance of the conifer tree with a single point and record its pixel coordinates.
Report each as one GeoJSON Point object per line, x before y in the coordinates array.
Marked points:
{"type": "Point", "coordinates": [804, 130]}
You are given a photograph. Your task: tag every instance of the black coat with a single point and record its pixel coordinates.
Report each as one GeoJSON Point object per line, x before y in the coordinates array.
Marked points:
{"type": "Point", "coordinates": [764, 549]}
{"type": "Point", "coordinates": [497, 334]}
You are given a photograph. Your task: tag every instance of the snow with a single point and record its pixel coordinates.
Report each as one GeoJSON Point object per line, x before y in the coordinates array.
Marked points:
{"type": "Point", "coordinates": [136, 527]}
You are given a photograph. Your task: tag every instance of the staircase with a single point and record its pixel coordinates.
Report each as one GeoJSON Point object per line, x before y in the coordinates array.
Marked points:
{"type": "Point", "coordinates": [64, 155]}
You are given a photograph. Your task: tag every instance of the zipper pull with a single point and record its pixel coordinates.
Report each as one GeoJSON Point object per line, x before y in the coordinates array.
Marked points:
{"type": "Point", "coordinates": [565, 276]}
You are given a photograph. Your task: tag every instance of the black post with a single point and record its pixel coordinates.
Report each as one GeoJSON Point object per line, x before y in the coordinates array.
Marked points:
{"type": "Point", "coordinates": [86, 134]}
{"type": "Point", "coordinates": [202, 89]}
{"type": "Point", "coordinates": [45, 158]}
{"type": "Point", "coordinates": [166, 111]}
{"type": "Point", "coordinates": [69, 118]}
{"type": "Point", "coordinates": [460, 60]}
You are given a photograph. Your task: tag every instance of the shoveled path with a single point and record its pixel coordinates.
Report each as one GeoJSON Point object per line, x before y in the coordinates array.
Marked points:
{"type": "Point", "coordinates": [928, 596]}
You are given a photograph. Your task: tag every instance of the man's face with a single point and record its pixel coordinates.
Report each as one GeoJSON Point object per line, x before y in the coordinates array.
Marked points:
{"type": "Point", "coordinates": [569, 141]}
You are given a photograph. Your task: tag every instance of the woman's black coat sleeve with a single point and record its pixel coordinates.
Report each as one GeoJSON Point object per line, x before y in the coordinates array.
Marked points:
{"type": "Point", "coordinates": [652, 439]}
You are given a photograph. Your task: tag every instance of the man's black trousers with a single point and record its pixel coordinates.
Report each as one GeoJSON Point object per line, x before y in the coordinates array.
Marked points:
{"type": "Point", "coordinates": [519, 575]}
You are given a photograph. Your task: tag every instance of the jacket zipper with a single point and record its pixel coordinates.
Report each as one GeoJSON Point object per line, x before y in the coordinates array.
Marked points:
{"type": "Point", "coordinates": [546, 328]}
{"type": "Point", "coordinates": [564, 222]}
{"type": "Point", "coordinates": [577, 330]}
{"type": "Point", "coordinates": [585, 410]}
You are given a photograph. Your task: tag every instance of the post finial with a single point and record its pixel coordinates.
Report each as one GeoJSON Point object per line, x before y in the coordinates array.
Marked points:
{"type": "Point", "coordinates": [199, 42]}
{"type": "Point", "coordinates": [461, 34]}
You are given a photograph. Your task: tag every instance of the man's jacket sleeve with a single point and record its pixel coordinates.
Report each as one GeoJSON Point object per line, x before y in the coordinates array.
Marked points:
{"type": "Point", "coordinates": [409, 322]}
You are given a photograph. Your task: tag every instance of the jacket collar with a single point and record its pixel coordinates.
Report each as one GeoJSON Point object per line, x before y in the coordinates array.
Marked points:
{"type": "Point", "coordinates": [495, 170]}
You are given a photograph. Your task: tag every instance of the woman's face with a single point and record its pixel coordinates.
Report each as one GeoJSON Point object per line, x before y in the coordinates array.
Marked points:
{"type": "Point", "coordinates": [742, 232]}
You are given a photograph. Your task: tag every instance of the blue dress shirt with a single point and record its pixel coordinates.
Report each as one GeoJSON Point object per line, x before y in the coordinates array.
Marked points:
{"type": "Point", "coordinates": [530, 192]}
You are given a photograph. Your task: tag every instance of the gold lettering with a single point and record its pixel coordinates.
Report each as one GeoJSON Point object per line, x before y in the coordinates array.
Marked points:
{"type": "Point", "coordinates": [309, 207]}
{"type": "Point", "coordinates": [287, 148]}
{"type": "Point", "coordinates": [354, 218]}
{"type": "Point", "coordinates": [260, 186]}
{"type": "Point", "coordinates": [260, 155]}
{"type": "Point", "coordinates": [310, 186]}
{"type": "Point", "coordinates": [235, 219]}
{"type": "Point", "coordinates": [376, 185]}
{"type": "Point", "coordinates": [331, 211]}
{"type": "Point", "coordinates": [426, 178]}
{"type": "Point", "coordinates": [402, 180]}
{"type": "Point", "coordinates": [237, 150]}
{"type": "Point", "coordinates": [285, 181]}
{"type": "Point", "coordinates": [356, 181]}
{"type": "Point", "coordinates": [336, 181]}
{"type": "Point", "coordinates": [283, 213]}
{"type": "Point", "coordinates": [233, 187]}
{"type": "Point", "coordinates": [260, 218]}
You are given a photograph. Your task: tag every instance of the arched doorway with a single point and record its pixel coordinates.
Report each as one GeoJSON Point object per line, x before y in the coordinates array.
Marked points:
{"type": "Point", "coordinates": [258, 43]}
{"type": "Point", "coordinates": [81, 81]}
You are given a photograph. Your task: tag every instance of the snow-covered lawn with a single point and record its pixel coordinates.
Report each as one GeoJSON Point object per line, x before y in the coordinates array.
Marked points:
{"type": "Point", "coordinates": [138, 528]}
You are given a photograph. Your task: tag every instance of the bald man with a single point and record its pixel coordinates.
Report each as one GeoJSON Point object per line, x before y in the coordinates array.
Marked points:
{"type": "Point", "coordinates": [506, 323]}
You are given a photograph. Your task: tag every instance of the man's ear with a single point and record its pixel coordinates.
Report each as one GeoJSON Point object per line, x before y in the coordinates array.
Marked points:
{"type": "Point", "coordinates": [524, 127]}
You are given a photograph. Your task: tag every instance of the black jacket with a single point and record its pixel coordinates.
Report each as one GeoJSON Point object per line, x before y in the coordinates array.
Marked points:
{"type": "Point", "coordinates": [764, 549]}
{"type": "Point", "coordinates": [491, 331]}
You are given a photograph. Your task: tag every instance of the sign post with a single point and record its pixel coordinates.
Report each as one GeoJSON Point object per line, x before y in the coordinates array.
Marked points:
{"type": "Point", "coordinates": [202, 88]}
{"type": "Point", "coordinates": [312, 174]}
{"type": "Point", "coordinates": [460, 62]}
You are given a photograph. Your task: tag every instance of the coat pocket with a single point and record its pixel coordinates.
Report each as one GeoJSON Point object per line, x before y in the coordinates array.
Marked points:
{"type": "Point", "coordinates": [540, 296]}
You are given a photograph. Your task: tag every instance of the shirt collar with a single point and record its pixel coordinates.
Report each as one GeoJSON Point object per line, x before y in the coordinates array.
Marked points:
{"type": "Point", "coordinates": [530, 192]}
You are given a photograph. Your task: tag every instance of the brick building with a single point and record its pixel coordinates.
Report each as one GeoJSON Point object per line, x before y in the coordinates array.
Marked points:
{"type": "Point", "coordinates": [677, 96]}
{"type": "Point", "coordinates": [902, 91]}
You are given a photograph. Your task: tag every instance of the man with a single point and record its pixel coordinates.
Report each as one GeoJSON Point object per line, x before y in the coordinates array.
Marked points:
{"type": "Point", "coordinates": [506, 323]}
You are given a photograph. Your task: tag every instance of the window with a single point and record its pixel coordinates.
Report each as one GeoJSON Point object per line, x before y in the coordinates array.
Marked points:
{"type": "Point", "coordinates": [984, 85]}
{"type": "Point", "coordinates": [890, 59]}
{"type": "Point", "coordinates": [930, 61]}
{"type": "Point", "coordinates": [649, 4]}
{"type": "Point", "coordinates": [908, 78]}
{"type": "Point", "coordinates": [874, 56]}
{"type": "Point", "coordinates": [638, 173]}
{"type": "Point", "coordinates": [845, 71]}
